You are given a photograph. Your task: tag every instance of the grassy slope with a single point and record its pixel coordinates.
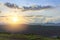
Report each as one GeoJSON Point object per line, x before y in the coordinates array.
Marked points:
{"type": "Point", "coordinates": [6, 36]}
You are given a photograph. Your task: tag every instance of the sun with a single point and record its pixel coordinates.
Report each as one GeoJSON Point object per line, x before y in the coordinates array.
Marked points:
{"type": "Point", "coordinates": [14, 19]}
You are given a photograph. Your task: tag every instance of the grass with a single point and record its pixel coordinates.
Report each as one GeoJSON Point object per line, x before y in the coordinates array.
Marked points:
{"type": "Point", "coordinates": [7, 36]}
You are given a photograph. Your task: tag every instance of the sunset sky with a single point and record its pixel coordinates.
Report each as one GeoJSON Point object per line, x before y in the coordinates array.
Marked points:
{"type": "Point", "coordinates": [48, 15]}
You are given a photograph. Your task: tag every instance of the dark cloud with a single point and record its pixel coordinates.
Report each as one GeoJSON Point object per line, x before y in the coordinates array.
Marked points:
{"type": "Point", "coordinates": [37, 7]}
{"type": "Point", "coordinates": [25, 8]}
{"type": "Point", "coordinates": [11, 5]}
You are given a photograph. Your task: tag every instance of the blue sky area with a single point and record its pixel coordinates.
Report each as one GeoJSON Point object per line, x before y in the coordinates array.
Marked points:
{"type": "Point", "coordinates": [33, 2]}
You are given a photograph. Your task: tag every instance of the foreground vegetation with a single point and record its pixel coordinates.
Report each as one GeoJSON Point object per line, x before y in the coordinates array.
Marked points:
{"type": "Point", "coordinates": [10, 36]}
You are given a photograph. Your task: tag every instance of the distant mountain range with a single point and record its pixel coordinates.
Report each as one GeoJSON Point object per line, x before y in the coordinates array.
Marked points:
{"type": "Point", "coordinates": [43, 30]}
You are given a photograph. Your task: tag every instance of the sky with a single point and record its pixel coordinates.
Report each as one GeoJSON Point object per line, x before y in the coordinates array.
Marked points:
{"type": "Point", "coordinates": [33, 2]}
{"type": "Point", "coordinates": [54, 12]}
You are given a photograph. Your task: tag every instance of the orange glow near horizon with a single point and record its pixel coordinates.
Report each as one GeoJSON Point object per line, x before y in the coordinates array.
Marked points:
{"type": "Point", "coordinates": [16, 20]}
{"type": "Point", "coordinates": [15, 24]}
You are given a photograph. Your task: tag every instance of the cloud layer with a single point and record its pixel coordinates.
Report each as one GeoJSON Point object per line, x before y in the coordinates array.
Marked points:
{"type": "Point", "coordinates": [25, 8]}
{"type": "Point", "coordinates": [35, 13]}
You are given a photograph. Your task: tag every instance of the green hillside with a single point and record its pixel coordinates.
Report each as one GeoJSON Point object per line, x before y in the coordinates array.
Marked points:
{"type": "Point", "coordinates": [10, 36]}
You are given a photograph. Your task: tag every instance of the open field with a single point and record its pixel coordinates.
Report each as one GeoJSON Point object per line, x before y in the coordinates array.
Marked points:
{"type": "Point", "coordinates": [9, 36]}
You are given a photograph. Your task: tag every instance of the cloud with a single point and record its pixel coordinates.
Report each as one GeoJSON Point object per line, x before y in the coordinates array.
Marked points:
{"type": "Point", "coordinates": [11, 5]}
{"type": "Point", "coordinates": [25, 8]}
{"type": "Point", "coordinates": [7, 10]}
{"type": "Point", "coordinates": [36, 7]}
